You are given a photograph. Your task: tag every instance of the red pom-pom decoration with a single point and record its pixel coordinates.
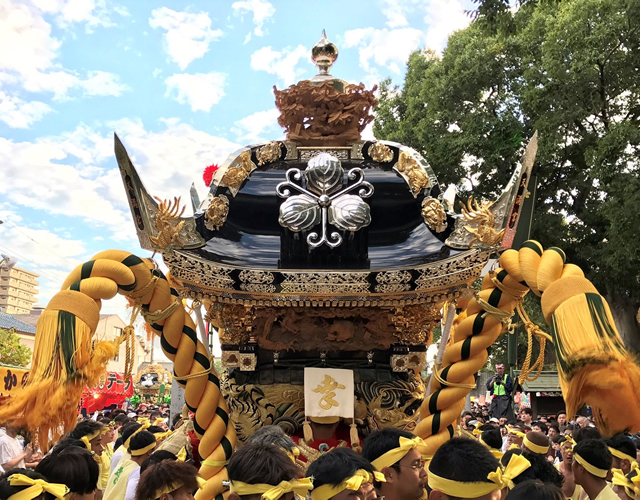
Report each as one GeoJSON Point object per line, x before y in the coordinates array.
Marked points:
{"type": "Point", "coordinates": [209, 172]}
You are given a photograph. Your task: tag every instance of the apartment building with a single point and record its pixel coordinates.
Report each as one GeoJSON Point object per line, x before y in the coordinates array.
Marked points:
{"type": "Point", "coordinates": [18, 290]}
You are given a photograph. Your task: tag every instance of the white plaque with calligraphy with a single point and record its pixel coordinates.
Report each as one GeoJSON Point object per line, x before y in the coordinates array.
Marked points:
{"type": "Point", "coordinates": [328, 392]}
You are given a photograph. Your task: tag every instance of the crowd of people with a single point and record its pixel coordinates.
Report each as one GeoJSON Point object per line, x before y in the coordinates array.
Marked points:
{"type": "Point", "coordinates": [116, 457]}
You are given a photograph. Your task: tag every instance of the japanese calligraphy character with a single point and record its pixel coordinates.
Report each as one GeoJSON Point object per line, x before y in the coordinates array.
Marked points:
{"type": "Point", "coordinates": [328, 387]}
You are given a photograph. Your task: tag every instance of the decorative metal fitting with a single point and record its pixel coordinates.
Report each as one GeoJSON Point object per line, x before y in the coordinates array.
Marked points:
{"type": "Point", "coordinates": [324, 200]}
{"type": "Point", "coordinates": [370, 357]}
{"type": "Point", "coordinates": [276, 357]}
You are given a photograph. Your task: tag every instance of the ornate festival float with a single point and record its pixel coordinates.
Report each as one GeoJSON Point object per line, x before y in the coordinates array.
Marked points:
{"type": "Point", "coordinates": [329, 252]}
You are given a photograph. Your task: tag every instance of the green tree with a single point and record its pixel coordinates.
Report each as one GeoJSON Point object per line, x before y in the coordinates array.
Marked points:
{"type": "Point", "coordinates": [12, 352]}
{"type": "Point", "coordinates": [569, 70]}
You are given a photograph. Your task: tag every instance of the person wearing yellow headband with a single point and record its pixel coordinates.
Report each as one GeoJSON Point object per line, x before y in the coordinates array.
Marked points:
{"type": "Point", "coordinates": [74, 466]}
{"type": "Point", "coordinates": [570, 489]}
{"type": "Point", "coordinates": [141, 445]}
{"type": "Point", "coordinates": [274, 435]}
{"type": "Point", "coordinates": [91, 432]}
{"type": "Point", "coordinates": [624, 453]}
{"type": "Point", "coordinates": [535, 489]}
{"type": "Point", "coordinates": [397, 455]}
{"type": "Point", "coordinates": [264, 471]}
{"type": "Point", "coordinates": [591, 464]}
{"type": "Point", "coordinates": [463, 468]}
{"type": "Point", "coordinates": [627, 487]}
{"type": "Point", "coordinates": [540, 468]}
{"type": "Point", "coordinates": [493, 441]}
{"type": "Point", "coordinates": [342, 474]}
{"type": "Point", "coordinates": [121, 452]}
{"type": "Point", "coordinates": [168, 480]}
{"type": "Point", "coordinates": [536, 442]}
{"type": "Point", "coordinates": [23, 484]}
{"type": "Point", "coordinates": [515, 435]}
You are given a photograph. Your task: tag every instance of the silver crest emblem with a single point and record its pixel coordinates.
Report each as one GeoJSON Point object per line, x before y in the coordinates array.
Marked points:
{"type": "Point", "coordinates": [324, 199]}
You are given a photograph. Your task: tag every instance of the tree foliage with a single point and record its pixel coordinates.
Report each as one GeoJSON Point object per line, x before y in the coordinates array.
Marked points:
{"type": "Point", "coordinates": [12, 352]}
{"type": "Point", "coordinates": [570, 70]}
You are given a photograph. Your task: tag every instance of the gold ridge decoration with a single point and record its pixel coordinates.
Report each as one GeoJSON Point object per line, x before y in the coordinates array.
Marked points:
{"type": "Point", "coordinates": [380, 152]}
{"type": "Point", "coordinates": [434, 215]}
{"type": "Point", "coordinates": [165, 221]}
{"type": "Point", "coordinates": [413, 173]}
{"type": "Point", "coordinates": [393, 281]}
{"type": "Point", "coordinates": [216, 213]}
{"type": "Point", "coordinates": [238, 172]}
{"type": "Point", "coordinates": [325, 283]}
{"type": "Point", "coordinates": [257, 281]}
{"type": "Point", "coordinates": [414, 324]}
{"type": "Point", "coordinates": [269, 153]}
{"type": "Point", "coordinates": [482, 218]}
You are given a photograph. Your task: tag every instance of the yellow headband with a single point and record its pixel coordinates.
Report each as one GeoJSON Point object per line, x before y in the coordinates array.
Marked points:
{"type": "Point", "coordinates": [590, 468]}
{"type": "Point", "coordinates": [182, 454]}
{"type": "Point", "coordinates": [299, 486]}
{"type": "Point", "coordinates": [623, 456]}
{"type": "Point", "coordinates": [352, 483]}
{"type": "Point", "coordinates": [170, 488]}
{"type": "Point", "coordinates": [158, 421]}
{"type": "Point", "coordinates": [293, 453]}
{"type": "Point", "coordinates": [143, 426]}
{"type": "Point", "coordinates": [86, 442]}
{"type": "Point", "coordinates": [395, 455]}
{"type": "Point", "coordinates": [142, 451]}
{"type": "Point", "coordinates": [161, 435]}
{"type": "Point", "coordinates": [35, 488]}
{"type": "Point", "coordinates": [497, 480]}
{"type": "Point", "coordinates": [516, 432]}
{"type": "Point", "coordinates": [494, 451]}
{"type": "Point", "coordinates": [536, 448]}
{"type": "Point", "coordinates": [630, 482]}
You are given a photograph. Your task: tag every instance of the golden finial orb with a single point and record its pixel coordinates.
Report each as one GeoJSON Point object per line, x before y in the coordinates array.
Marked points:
{"type": "Point", "coordinates": [323, 54]}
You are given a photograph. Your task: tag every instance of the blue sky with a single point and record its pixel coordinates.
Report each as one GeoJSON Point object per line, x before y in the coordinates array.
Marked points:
{"type": "Point", "coordinates": [182, 83]}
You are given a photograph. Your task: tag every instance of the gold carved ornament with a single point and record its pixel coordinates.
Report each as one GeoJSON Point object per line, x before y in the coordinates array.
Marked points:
{"type": "Point", "coordinates": [415, 176]}
{"type": "Point", "coordinates": [168, 232]}
{"type": "Point", "coordinates": [485, 233]}
{"type": "Point", "coordinates": [380, 152]}
{"type": "Point", "coordinates": [269, 153]}
{"type": "Point", "coordinates": [238, 172]}
{"type": "Point", "coordinates": [216, 213]}
{"type": "Point", "coordinates": [414, 324]}
{"type": "Point", "coordinates": [434, 215]}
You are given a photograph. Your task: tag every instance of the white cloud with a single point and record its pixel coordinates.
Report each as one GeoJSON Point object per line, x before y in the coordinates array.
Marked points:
{"type": "Point", "coordinates": [93, 13]}
{"type": "Point", "coordinates": [395, 11]}
{"type": "Point", "coordinates": [102, 83]}
{"type": "Point", "coordinates": [187, 35]}
{"type": "Point", "coordinates": [387, 48]}
{"type": "Point", "coordinates": [252, 129]}
{"type": "Point", "coordinates": [21, 114]}
{"type": "Point", "coordinates": [283, 63]}
{"type": "Point", "coordinates": [443, 18]}
{"type": "Point", "coordinates": [261, 10]}
{"type": "Point", "coordinates": [200, 91]}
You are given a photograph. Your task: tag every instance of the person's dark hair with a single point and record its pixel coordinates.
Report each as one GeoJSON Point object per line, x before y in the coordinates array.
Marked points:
{"type": "Point", "coordinates": [272, 434]}
{"type": "Point", "coordinates": [73, 466]}
{"type": "Point", "coordinates": [120, 418]}
{"type": "Point", "coordinates": [6, 490]}
{"type": "Point", "coordinates": [561, 413]}
{"type": "Point", "coordinates": [175, 420]}
{"type": "Point", "coordinates": [558, 439]}
{"type": "Point", "coordinates": [163, 474]}
{"type": "Point", "coordinates": [382, 441]}
{"type": "Point", "coordinates": [528, 411]}
{"type": "Point", "coordinates": [68, 442]}
{"type": "Point", "coordinates": [336, 466]}
{"type": "Point", "coordinates": [155, 458]}
{"type": "Point", "coordinates": [486, 427]}
{"type": "Point", "coordinates": [141, 440]}
{"type": "Point", "coordinates": [463, 459]}
{"type": "Point", "coordinates": [585, 433]}
{"type": "Point", "coordinates": [541, 469]}
{"type": "Point", "coordinates": [85, 428]}
{"type": "Point", "coordinates": [535, 490]}
{"type": "Point", "coordinates": [105, 421]}
{"type": "Point", "coordinates": [154, 429]}
{"type": "Point", "coordinates": [542, 425]}
{"type": "Point", "coordinates": [556, 427]}
{"type": "Point", "coordinates": [492, 438]}
{"type": "Point", "coordinates": [622, 443]}
{"type": "Point", "coordinates": [465, 413]}
{"type": "Point", "coordinates": [261, 464]}
{"type": "Point", "coordinates": [155, 414]}
{"type": "Point", "coordinates": [595, 452]}
{"type": "Point", "coordinates": [128, 429]}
